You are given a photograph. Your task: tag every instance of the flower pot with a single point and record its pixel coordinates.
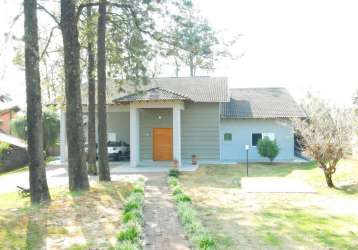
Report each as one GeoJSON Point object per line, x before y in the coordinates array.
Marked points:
{"type": "Point", "coordinates": [194, 160]}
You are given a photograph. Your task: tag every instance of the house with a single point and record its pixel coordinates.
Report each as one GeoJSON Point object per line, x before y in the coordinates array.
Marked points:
{"type": "Point", "coordinates": [16, 154]}
{"type": "Point", "coordinates": [175, 118]}
{"type": "Point", "coordinates": [7, 113]}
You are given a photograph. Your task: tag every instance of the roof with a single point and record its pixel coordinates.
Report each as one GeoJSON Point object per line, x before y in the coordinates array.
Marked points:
{"type": "Point", "coordinates": [7, 108]}
{"type": "Point", "coordinates": [196, 89]}
{"type": "Point", "coordinates": [151, 94]}
{"type": "Point", "coordinates": [12, 140]}
{"type": "Point", "coordinates": [261, 103]}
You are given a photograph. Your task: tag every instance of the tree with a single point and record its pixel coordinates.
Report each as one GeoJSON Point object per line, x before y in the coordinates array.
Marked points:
{"type": "Point", "coordinates": [39, 191]}
{"type": "Point", "coordinates": [92, 154]}
{"type": "Point", "coordinates": [326, 134]}
{"type": "Point", "coordinates": [268, 148]}
{"type": "Point", "coordinates": [77, 170]}
{"type": "Point", "coordinates": [104, 174]}
{"type": "Point", "coordinates": [50, 125]}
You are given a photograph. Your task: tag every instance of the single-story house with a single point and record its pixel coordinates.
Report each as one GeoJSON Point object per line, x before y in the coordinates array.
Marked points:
{"type": "Point", "coordinates": [7, 114]}
{"type": "Point", "coordinates": [175, 118]}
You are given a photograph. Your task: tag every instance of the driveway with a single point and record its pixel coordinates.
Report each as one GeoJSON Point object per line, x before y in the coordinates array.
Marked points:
{"type": "Point", "coordinates": [57, 176]}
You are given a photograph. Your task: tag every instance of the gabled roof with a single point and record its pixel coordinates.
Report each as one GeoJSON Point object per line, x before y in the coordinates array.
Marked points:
{"type": "Point", "coordinates": [12, 140]}
{"type": "Point", "coordinates": [261, 103]}
{"type": "Point", "coordinates": [5, 108]}
{"type": "Point", "coordinates": [151, 94]}
{"type": "Point", "coordinates": [196, 89]}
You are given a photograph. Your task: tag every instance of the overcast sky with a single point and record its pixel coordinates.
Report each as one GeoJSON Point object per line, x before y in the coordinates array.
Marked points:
{"type": "Point", "coordinates": [305, 45]}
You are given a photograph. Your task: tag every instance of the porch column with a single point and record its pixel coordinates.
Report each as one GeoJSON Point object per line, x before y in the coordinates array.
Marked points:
{"type": "Point", "coordinates": [177, 133]}
{"type": "Point", "coordinates": [134, 136]}
{"type": "Point", "coordinates": [63, 139]}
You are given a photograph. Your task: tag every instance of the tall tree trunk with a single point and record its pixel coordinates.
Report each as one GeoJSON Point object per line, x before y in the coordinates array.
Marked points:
{"type": "Point", "coordinates": [77, 171]}
{"type": "Point", "coordinates": [92, 168]}
{"type": "Point", "coordinates": [191, 66]}
{"type": "Point", "coordinates": [38, 184]}
{"type": "Point", "coordinates": [104, 174]}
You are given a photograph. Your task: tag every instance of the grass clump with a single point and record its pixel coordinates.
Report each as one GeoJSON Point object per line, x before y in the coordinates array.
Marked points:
{"type": "Point", "coordinates": [129, 237]}
{"type": "Point", "coordinates": [193, 227]}
{"type": "Point", "coordinates": [174, 172]}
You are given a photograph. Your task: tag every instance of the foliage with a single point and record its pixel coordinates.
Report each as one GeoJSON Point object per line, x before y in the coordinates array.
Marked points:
{"type": "Point", "coordinates": [268, 148]}
{"type": "Point", "coordinates": [130, 234]}
{"type": "Point", "coordinates": [193, 227]}
{"type": "Point", "coordinates": [326, 134]}
{"type": "Point", "coordinates": [3, 148]}
{"type": "Point", "coordinates": [174, 172]}
{"type": "Point", "coordinates": [51, 128]}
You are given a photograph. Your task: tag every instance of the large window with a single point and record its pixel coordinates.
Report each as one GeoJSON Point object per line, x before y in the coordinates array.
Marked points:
{"type": "Point", "coordinates": [227, 137]}
{"type": "Point", "coordinates": [255, 137]}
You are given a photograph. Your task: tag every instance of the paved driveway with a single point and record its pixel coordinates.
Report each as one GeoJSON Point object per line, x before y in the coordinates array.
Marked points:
{"type": "Point", "coordinates": [57, 175]}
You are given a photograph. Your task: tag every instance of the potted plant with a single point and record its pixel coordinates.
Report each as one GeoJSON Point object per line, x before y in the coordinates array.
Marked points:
{"type": "Point", "coordinates": [175, 164]}
{"type": "Point", "coordinates": [194, 160]}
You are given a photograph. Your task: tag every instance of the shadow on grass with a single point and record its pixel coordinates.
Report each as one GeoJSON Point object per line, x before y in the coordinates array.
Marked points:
{"type": "Point", "coordinates": [348, 189]}
{"type": "Point", "coordinates": [36, 234]}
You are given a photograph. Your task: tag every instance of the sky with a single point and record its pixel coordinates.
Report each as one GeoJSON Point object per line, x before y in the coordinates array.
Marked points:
{"type": "Point", "coordinates": [306, 45]}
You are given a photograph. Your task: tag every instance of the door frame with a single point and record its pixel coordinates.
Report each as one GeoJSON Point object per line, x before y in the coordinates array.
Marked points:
{"type": "Point", "coordinates": [153, 144]}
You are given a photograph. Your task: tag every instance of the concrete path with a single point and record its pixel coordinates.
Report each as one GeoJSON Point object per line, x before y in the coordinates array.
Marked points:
{"type": "Point", "coordinates": [162, 229]}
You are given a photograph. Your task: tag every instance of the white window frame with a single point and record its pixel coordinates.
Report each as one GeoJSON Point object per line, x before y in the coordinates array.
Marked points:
{"type": "Point", "coordinates": [269, 135]}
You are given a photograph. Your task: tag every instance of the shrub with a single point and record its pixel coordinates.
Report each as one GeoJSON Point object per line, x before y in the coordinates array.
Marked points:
{"type": "Point", "coordinates": [133, 215]}
{"type": "Point", "coordinates": [135, 201]}
{"type": "Point", "coordinates": [174, 172]}
{"type": "Point", "coordinates": [127, 245]}
{"type": "Point", "coordinates": [131, 232]}
{"type": "Point", "coordinates": [194, 229]}
{"type": "Point", "coordinates": [139, 190]}
{"type": "Point", "coordinates": [268, 148]}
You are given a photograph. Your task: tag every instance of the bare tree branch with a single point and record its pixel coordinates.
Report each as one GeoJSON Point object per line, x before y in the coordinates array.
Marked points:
{"type": "Point", "coordinates": [48, 42]}
{"type": "Point", "coordinates": [52, 15]}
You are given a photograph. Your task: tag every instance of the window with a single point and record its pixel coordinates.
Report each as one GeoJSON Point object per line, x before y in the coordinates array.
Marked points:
{"type": "Point", "coordinates": [258, 136]}
{"type": "Point", "coordinates": [255, 138]}
{"type": "Point", "coordinates": [227, 137]}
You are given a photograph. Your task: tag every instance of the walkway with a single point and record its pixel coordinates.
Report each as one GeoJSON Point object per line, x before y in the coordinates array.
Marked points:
{"type": "Point", "coordinates": [162, 229]}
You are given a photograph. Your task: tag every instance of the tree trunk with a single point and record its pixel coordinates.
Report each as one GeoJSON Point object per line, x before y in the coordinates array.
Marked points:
{"type": "Point", "coordinates": [329, 181]}
{"type": "Point", "coordinates": [104, 174]}
{"type": "Point", "coordinates": [191, 66]}
{"type": "Point", "coordinates": [77, 171]}
{"type": "Point", "coordinates": [38, 184]}
{"type": "Point", "coordinates": [92, 168]}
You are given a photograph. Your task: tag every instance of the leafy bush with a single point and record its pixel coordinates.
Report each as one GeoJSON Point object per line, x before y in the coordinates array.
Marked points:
{"type": "Point", "coordinates": [268, 148]}
{"type": "Point", "coordinates": [131, 232]}
{"type": "Point", "coordinates": [4, 147]}
{"type": "Point", "coordinates": [193, 227]}
{"type": "Point", "coordinates": [51, 128]}
{"type": "Point", "coordinates": [174, 172]}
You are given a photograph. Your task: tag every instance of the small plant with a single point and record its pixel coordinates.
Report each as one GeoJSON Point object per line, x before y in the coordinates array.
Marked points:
{"type": "Point", "coordinates": [130, 235]}
{"type": "Point", "coordinates": [174, 172]}
{"type": "Point", "coordinates": [131, 232]}
{"type": "Point", "coordinates": [193, 228]}
{"type": "Point", "coordinates": [268, 148]}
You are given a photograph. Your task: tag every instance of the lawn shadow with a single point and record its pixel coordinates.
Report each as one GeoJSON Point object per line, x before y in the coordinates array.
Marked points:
{"type": "Point", "coordinates": [36, 230]}
{"type": "Point", "coordinates": [348, 189]}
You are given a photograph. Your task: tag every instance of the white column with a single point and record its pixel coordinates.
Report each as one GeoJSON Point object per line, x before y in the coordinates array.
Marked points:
{"type": "Point", "coordinates": [134, 136]}
{"type": "Point", "coordinates": [63, 138]}
{"type": "Point", "coordinates": [177, 133]}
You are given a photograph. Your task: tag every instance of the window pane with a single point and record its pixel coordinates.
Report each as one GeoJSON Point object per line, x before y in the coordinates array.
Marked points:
{"type": "Point", "coordinates": [227, 137]}
{"type": "Point", "coordinates": [255, 138]}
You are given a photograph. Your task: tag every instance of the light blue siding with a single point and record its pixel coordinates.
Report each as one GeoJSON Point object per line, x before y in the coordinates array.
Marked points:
{"type": "Point", "coordinates": [149, 119]}
{"type": "Point", "coordinates": [200, 131]}
{"type": "Point", "coordinates": [241, 130]}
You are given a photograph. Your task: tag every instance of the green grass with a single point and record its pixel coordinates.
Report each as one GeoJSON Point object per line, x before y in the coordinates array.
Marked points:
{"type": "Point", "coordinates": [239, 220]}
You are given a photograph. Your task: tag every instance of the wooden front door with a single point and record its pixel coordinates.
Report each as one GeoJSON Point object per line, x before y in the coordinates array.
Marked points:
{"type": "Point", "coordinates": [162, 144]}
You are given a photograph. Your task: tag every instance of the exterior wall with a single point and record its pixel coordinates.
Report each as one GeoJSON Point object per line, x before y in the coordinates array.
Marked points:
{"type": "Point", "coordinates": [200, 124]}
{"type": "Point", "coordinates": [5, 119]}
{"type": "Point", "coordinates": [242, 129]}
{"type": "Point", "coordinates": [149, 119]}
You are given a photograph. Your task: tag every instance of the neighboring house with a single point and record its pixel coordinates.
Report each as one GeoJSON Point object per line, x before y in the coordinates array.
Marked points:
{"type": "Point", "coordinates": [175, 118]}
{"type": "Point", "coordinates": [16, 156]}
{"type": "Point", "coordinates": [6, 115]}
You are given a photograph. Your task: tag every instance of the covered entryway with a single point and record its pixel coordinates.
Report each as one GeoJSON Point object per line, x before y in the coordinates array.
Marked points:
{"type": "Point", "coordinates": [162, 144]}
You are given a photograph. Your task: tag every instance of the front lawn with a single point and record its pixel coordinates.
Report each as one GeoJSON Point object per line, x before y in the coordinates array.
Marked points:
{"type": "Point", "coordinates": [88, 220]}
{"type": "Point", "coordinates": [239, 220]}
